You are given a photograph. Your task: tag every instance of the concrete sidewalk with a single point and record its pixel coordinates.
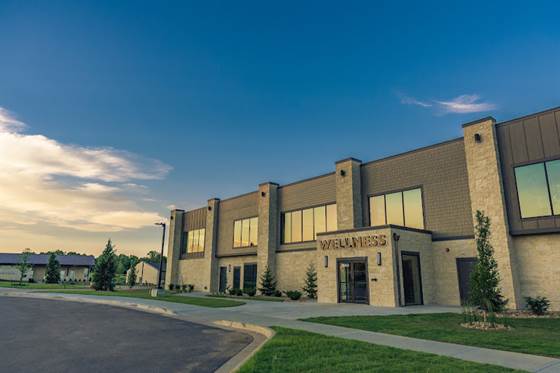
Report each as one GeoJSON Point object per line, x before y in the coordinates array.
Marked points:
{"type": "Point", "coordinates": [286, 314]}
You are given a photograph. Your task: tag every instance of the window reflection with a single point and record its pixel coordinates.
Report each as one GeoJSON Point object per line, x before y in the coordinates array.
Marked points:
{"type": "Point", "coordinates": [195, 241]}
{"type": "Point", "coordinates": [413, 215]}
{"type": "Point", "coordinates": [553, 171]}
{"type": "Point", "coordinates": [377, 210]}
{"type": "Point", "coordinates": [393, 203]}
{"type": "Point", "coordinates": [399, 208]}
{"type": "Point", "coordinates": [246, 232]}
{"type": "Point", "coordinates": [532, 190]}
{"type": "Point", "coordinates": [304, 225]}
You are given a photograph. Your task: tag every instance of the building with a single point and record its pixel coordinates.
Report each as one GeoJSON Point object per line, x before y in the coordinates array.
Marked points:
{"type": "Point", "coordinates": [72, 267]}
{"type": "Point", "coordinates": [395, 231]}
{"type": "Point", "coordinates": [147, 273]}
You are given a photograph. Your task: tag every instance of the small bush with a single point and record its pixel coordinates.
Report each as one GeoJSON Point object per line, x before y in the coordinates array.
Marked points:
{"type": "Point", "coordinates": [538, 305]}
{"type": "Point", "coordinates": [278, 293]}
{"type": "Point", "coordinates": [171, 287]}
{"type": "Point", "coordinates": [293, 294]}
{"type": "Point", "coordinates": [190, 288]}
{"type": "Point", "coordinates": [31, 281]}
{"type": "Point", "coordinates": [233, 291]}
{"type": "Point", "coordinates": [250, 291]}
{"type": "Point", "coordinates": [239, 292]}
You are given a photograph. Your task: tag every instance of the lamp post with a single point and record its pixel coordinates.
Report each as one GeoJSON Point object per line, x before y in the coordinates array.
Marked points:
{"type": "Point", "coordinates": [161, 254]}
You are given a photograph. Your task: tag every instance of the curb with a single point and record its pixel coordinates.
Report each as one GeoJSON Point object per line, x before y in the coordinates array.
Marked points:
{"type": "Point", "coordinates": [260, 335]}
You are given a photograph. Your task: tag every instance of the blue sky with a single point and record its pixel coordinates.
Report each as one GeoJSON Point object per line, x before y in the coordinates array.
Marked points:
{"type": "Point", "coordinates": [171, 103]}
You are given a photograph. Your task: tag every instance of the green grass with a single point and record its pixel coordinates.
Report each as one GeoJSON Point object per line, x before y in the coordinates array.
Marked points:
{"type": "Point", "coordinates": [30, 285]}
{"type": "Point", "coordinates": [298, 351]}
{"type": "Point", "coordinates": [531, 336]}
{"type": "Point", "coordinates": [145, 294]}
{"type": "Point", "coordinates": [256, 297]}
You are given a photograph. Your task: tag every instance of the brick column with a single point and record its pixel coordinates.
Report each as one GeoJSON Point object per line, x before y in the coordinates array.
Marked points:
{"type": "Point", "coordinates": [211, 244]}
{"type": "Point", "coordinates": [349, 193]}
{"type": "Point", "coordinates": [487, 195]}
{"type": "Point", "coordinates": [268, 228]}
{"type": "Point", "coordinates": [175, 234]}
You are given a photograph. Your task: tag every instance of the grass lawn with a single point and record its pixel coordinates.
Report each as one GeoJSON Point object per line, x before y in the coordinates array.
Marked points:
{"type": "Point", "coordinates": [256, 297]}
{"type": "Point", "coordinates": [145, 294]}
{"type": "Point", "coordinates": [531, 336]}
{"type": "Point", "coordinates": [30, 285]}
{"type": "Point", "coordinates": [298, 351]}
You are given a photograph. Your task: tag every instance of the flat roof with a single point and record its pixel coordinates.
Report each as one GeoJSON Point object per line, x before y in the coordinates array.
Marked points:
{"type": "Point", "coordinates": [43, 259]}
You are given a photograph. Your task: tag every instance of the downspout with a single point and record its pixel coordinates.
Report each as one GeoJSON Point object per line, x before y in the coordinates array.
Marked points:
{"type": "Point", "coordinates": [396, 238]}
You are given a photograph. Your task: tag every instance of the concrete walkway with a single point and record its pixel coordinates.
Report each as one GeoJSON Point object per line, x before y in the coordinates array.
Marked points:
{"type": "Point", "coordinates": [286, 314]}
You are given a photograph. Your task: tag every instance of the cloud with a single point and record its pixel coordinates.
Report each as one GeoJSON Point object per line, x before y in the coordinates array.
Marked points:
{"type": "Point", "coordinates": [459, 105]}
{"type": "Point", "coordinates": [43, 181]}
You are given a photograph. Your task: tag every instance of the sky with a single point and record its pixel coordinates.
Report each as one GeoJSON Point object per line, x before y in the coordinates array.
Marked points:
{"type": "Point", "coordinates": [112, 113]}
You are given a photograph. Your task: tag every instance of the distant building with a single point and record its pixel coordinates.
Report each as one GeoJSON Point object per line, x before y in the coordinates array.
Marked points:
{"type": "Point", "coordinates": [147, 273]}
{"type": "Point", "coordinates": [72, 267]}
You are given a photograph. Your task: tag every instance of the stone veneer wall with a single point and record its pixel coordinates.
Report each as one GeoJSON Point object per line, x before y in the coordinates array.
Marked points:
{"type": "Point", "coordinates": [445, 268]}
{"type": "Point", "coordinates": [538, 267]}
{"type": "Point", "coordinates": [194, 271]}
{"type": "Point", "coordinates": [291, 268]}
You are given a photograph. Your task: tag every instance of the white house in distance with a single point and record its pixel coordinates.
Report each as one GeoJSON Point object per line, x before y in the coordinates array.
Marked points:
{"type": "Point", "coordinates": [72, 267]}
{"type": "Point", "coordinates": [147, 273]}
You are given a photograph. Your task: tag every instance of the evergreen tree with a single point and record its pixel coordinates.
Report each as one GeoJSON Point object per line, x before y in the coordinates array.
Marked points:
{"type": "Point", "coordinates": [310, 287]}
{"type": "Point", "coordinates": [53, 270]}
{"type": "Point", "coordinates": [131, 281]}
{"type": "Point", "coordinates": [268, 282]}
{"type": "Point", "coordinates": [485, 289]}
{"type": "Point", "coordinates": [24, 264]}
{"type": "Point", "coordinates": [103, 275]}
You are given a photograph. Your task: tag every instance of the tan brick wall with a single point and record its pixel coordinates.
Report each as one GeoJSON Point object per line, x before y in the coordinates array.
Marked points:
{"type": "Point", "coordinates": [194, 271]}
{"type": "Point", "coordinates": [349, 194]}
{"type": "Point", "coordinates": [268, 227]}
{"type": "Point", "coordinates": [291, 268]}
{"type": "Point", "coordinates": [486, 191]}
{"type": "Point", "coordinates": [538, 267]}
{"type": "Point", "coordinates": [175, 231]}
{"type": "Point", "coordinates": [445, 268]}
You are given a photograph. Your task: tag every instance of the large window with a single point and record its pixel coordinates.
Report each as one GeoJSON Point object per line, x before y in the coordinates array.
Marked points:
{"type": "Point", "coordinates": [304, 225]}
{"type": "Point", "coordinates": [245, 232]}
{"type": "Point", "coordinates": [538, 188]}
{"type": "Point", "coordinates": [249, 276]}
{"type": "Point", "coordinates": [195, 241]}
{"type": "Point", "coordinates": [400, 208]}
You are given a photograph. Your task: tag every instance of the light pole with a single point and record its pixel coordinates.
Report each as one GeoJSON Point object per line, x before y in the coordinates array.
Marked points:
{"type": "Point", "coordinates": [161, 254]}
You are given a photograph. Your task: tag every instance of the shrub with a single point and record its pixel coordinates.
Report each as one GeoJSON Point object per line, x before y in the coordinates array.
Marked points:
{"type": "Point", "coordinates": [171, 287]}
{"type": "Point", "coordinates": [190, 288]}
{"type": "Point", "coordinates": [277, 293]}
{"type": "Point", "coordinates": [183, 288]}
{"type": "Point", "coordinates": [310, 287]}
{"type": "Point", "coordinates": [239, 292]}
{"type": "Point", "coordinates": [232, 291]}
{"type": "Point", "coordinates": [268, 283]}
{"type": "Point", "coordinates": [538, 305]}
{"type": "Point", "coordinates": [103, 275]}
{"type": "Point", "coordinates": [250, 291]}
{"type": "Point", "coordinates": [293, 294]}
{"type": "Point", "coordinates": [53, 270]}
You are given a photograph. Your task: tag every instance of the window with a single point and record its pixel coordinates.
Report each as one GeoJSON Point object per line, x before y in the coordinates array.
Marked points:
{"type": "Point", "coordinates": [400, 208]}
{"type": "Point", "coordinates": [538, 189]}
{"type": "Point", "coordinates": [249, 276]}
{"type": "Point", "coordinates": [245, 232]}
{"type": "Point", "coordinates": [304, 225]}
{"type": "Point", "coordinates": [195, 241]}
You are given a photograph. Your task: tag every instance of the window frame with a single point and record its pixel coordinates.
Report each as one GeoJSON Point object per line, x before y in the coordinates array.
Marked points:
{"type": "Point", "coordinates": [301, 209]}
{"type": "Point", "coordinates": [248, 219]}
{"type": "Point", "coordinates": [185, 247]}
{"type": "Point", "coordinates": [371, 195]}
{"type": "Point", "coordinates": [551, 205]}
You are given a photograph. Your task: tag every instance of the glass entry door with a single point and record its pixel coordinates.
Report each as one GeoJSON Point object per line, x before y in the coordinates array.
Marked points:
{"type": "Point", "coordinates": [412, 278]}
{"type": "Point", "coordinates": [353, 281]}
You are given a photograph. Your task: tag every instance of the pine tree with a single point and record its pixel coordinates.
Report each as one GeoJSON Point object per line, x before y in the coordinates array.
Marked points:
{"type": "Point", "coordinates": [103, 276]}
{"type": "Point", "coordinates": [53, 270]}
{"type": "Point", "coordinates": [485, 289]}
{"type": "Point", "coordinates": [310, 287]}
{"type": "Point", "coordinates": [268, 282]}
{"type": "Point", "coordinates": [131, 281]}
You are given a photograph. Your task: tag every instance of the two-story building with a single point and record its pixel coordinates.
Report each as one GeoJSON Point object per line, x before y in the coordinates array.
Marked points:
{"type": "Point", "coordinates": [395, 231]}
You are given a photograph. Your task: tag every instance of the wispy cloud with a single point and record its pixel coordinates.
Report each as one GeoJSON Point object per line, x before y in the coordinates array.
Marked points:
{"type": "Point", "coordinates": [72, 186]}
{"type": "Point", "coordinates": [459, 105]}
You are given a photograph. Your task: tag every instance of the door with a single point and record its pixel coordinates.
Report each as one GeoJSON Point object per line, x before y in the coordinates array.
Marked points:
{"type": "Point", "coordinates": [237, 277]}
{"type": "Point", "coordinates": [249, 276]}
{"type": "Point", "coordinates": [412, 278]}
{"type": "Point", "coordinates": [353, 284]}
{"type": "Point", "coordinates": [465, 267]}
{"type": "Point", "coordinates": [223, 279]}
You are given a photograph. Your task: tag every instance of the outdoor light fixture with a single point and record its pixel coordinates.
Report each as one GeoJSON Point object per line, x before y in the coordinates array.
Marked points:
{"type": "Point", "coordinates": [326, 261]}
{"type": "Point", "coordinates": [263, 194]}
{"type": "Point", "coordinates": [342, 173]}
{"type": "Point", "coordinates": [229, 268]}
{"type": "Point", "coordinates": [477, 137]}
{"type": "Point", "coordinates": [378, 259]}
{"type": "Point", "coordinates": [209, 208]}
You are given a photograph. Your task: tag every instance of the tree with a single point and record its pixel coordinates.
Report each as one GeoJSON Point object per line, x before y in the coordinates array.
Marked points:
{"type": "Point", "coordinates": [24, 264]}
{"type": "Point", "coordinates": [131, 281]}
{"type": "Point", "coordinates": [485, 289]}
{"type": "Point", "coordinates": [268, 282]}
{"type": "Point", "coordinates": [53, 270]}
{"type": "Point", "coordinates": [153, 257]}
{"type": "Point", "coordinates": [103, 275]}
{"type": "Point", "coordinates": [310, 287]}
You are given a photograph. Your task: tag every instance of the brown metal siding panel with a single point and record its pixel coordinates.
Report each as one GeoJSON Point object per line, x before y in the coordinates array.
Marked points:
{"type": "Point", "coordinates": [321, 190]}
{"type": "Point", "coordinates": [527, 140]}
{"type": "Point", "coordinates": [441, 171]}
{"type": "Point", "coordinates": [195, 219]}
{"type": "Point", "coordinates": [245, 206]}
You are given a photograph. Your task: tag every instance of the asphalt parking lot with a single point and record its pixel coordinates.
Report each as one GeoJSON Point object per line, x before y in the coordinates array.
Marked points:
{"type": "Point", "coordinates": [60, 336]}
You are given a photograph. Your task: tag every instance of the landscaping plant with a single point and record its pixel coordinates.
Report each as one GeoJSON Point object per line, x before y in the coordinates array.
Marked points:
{"type": "Point", "coordinates": [103, 275]}
{"type": "Point", "coordinates": [268, 283]}
{"type": "Point", "coordinates": [52, 275]}
{"type": "Point", "coordinates": [310, 287]}
{"type": "Point", "coordinates": [293, 294]}
{"type": "Point", "coordinates": [250, 291]}
{"type": "Point", "coordinates": [24, 264]}
{"type": "Point", "coordinates": [132, 275]}
{"type": "Point", "coordinates": [538, 305]}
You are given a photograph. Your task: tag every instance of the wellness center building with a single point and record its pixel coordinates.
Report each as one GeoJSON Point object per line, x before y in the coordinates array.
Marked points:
{"type": "Point", "coordinates": [396, 231]}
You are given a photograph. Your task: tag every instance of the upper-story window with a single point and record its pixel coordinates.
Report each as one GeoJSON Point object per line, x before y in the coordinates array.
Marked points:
{"type": "Point", "coordinates": [245, 232]}
{"type": "Point", "coordinates": [538, 188]}
{"type": "Point", "coordinates": [400, 208]}
{"type": "Point", "coordinates": [195, 241]}
{"type": "Point", "coordinates": [304, 225]}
